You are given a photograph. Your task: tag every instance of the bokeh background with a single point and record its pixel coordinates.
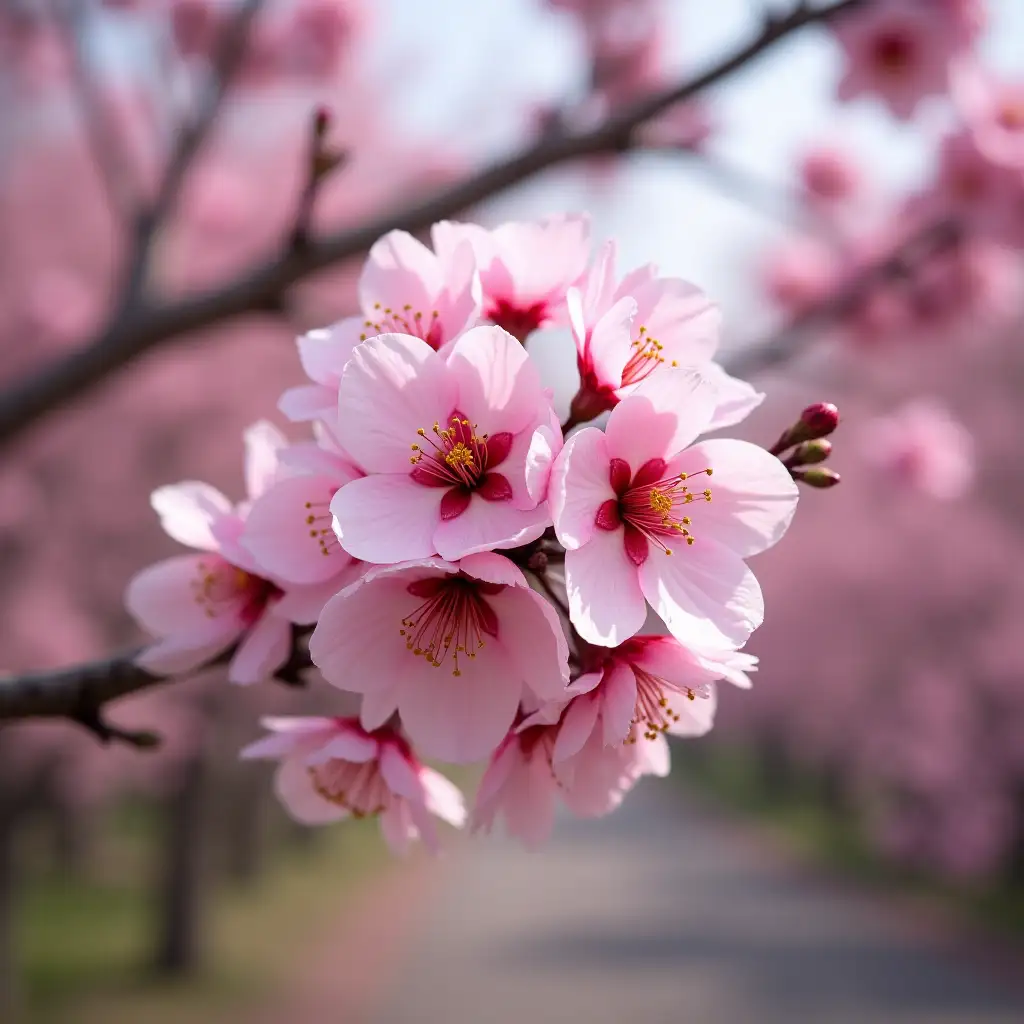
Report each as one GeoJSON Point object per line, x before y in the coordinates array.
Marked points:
{"type": "Point", "coordinates": [848, 843]}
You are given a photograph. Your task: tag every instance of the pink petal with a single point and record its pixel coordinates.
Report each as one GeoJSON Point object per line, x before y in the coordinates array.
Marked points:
{"type": "Point", "coordinates": [654, 758]}
{"type": "Point", "coordinates": [618, 694]}
{"type": "Point", "coordinates": [499, 386]}
{"type": "Point", "coordinates": [397, 827]}
{"type": "Point", "coordinates": [461, 719]}
{"type": "Point", "coordinates": [400, 271]}
{"type": "Point", "coordinates": [545, 445]}
{"type": "Point", "coordinates": [280, 536]}
{"type": "Point", "coordinates": [188, 511]}
{"type": "Point", "coordinates": [162, 600]}
{"type": "Point", "coordinates": [753, 496]}
{"type": "Point", "coordinates": [611, 342]}
{"type": "Point", "coordinates": [501, 766]}
{"type": "Point", "coordinates": [424, 825]}
{"type": "Point", "coordinates": [393, 385]}
{"type": "Point", "coordinates": [295, 790]}
{"type": "Point", "coordinates": [263, 446]}
{"type": "Point", "coordinates": [463, 296]}
{"type": "Point", "coordinates": [288, 735]}
{"type": "Point", "coordinates": [605, 601]}
{"type": "Point", "coordinates": [660, 418]}
{"type": "Point", "coordinates": [498, 447]}
{"type": "Point", "coordinates": [177, 655]}
{"type": "Point", "coordinates": [577, 725]}
{"type": "Point", "coordinates": [704, 593]}
{"type": "Point", "coordinates": [681, 317]}
{"type": "Point", "coordinates": [532, 638]}
{"type": "Point", "coordinates": [309, 402]}
{"type": "Point", "coordinates": [486, 525]}
{"type": "Point", "coordinates": [356, 644]}
{"type": "Point", "coordinates": [401, 777]}
{"type": "Point", "coordinates": [608, 517]}
{"type": "Point", "coordinates": [302, 603]}
{"type": "Point", "coordinates": [579, 486]}
{"type": "Point", "coordinates": [696, 717]}
{"type": "Point", "coordinates": [387, 518]}
{"type": "Point", "coordinates": [325, 351]}
{"type": "Point", "coordinates": [528, 803]}
{"type": "Point", "coordinates": [736, 398]}
{"type": "Point", "coordinates": [377, 707]}
{"type": "Point", "coordinates": [493, 568]}
{"type": "Point", "coordinates": [263, 650]}
{"type": "Point", "coordinates": [444, 798]}
{"type": "Point", "coordinates": [345, 745]}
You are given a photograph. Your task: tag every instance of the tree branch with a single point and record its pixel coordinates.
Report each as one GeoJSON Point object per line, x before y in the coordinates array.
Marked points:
{"type": "Point", "coordinates": [142, 325]}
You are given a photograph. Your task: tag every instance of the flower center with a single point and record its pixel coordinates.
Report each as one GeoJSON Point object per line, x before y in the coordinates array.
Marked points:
{"type": "Point", "coordinates": [653, 711]}
{"type": "Point", "coordinates": [221, 587]}
{"type": "Point", "coordinates": [358, 787]}
{"type": "Point", "coordinates": [319, 520]}
{"type": "Point", "coordinates": [893, 52]}
{"type": "Point", "coordinates": [451, 621]}
{"type": "Point", "coordinates": [1011, 115]}
{"type": "Point", "coordinates": [461, 460]}
{"type": "Point", "coordinates": [519, 321]}
{"type": "Point", "coordinates": [645, 358]}
{"type": "Point", "coordinates": [385, 320]}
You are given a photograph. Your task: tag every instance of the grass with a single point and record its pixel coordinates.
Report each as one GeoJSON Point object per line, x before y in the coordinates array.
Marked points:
{"type": "Point", "coordinates": [805, 816]}
{"type": "Point", "coordinates": [84, 945]}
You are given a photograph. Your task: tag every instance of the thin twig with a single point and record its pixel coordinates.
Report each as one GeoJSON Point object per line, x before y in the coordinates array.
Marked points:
{"type": "Point", "coordinates": [142, 325]}
{"type": "Point", "coordinates": [225, 65]}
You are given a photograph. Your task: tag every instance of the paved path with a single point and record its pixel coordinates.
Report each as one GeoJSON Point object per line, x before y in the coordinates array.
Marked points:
{"type": "Point", "coordinates": [669, 913]}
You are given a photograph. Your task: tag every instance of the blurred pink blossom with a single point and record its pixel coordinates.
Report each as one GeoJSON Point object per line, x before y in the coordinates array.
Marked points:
{"type": "Point", "coordinates": [922, 446]}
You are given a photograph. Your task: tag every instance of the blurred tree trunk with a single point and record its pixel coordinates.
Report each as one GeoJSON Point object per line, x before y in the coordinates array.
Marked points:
{"type": "Point", "coordinates": [246, 818]}
{"type": "Point", "coordinates": [181, 884]}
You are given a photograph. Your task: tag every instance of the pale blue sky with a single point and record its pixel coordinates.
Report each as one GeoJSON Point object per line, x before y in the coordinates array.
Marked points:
{"type": "Point", "coordinates": [466, 64]}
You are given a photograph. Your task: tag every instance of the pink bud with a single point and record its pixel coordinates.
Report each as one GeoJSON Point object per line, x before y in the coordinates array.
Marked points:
{"type": "Point", "coordinates": [818, 477]}
{"type": "Point", "coordinates": [819, 420]}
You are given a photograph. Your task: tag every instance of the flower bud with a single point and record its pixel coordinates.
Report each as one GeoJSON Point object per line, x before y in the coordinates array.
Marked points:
{"type": "Point", "coordinates": [810, 452]}
{"type": "Point", "coordinates": [818, 477]}
{"type": "Point", "coordinates": [815, 422]}
{"type": "Point", "coordinates": [819, 420]}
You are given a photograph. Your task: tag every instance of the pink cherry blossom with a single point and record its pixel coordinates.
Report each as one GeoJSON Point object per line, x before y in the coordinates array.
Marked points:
{"type": "Point", "coordinates": [525, 267]}
{"type": "Point", "coordinates": [994, 110]}
{"type": "Point", "coordinates": [201, 605]}
{"type": "Point", "coordinates": [629, 330]}
{"type": "Point", "coordinates": [289, 528]}
{"type": "Point", "coordinates": [404, 288]}
{"type": "Point", "coordinates": [452, 647]}
{"type": "Point", "coordinates": [923, 446]}
{"type": "Point", "coordinates": [829, 175]}
{"type": "Point", "coordinates": [645, 687]}
{"type": "Point", "coordinates": [523, 781]}
{"type": "Point", "coordinates": [899, 51]}
{"type": "Point", "coordinates": [800, 272]}
{"type": "Point", "coordinates": [631, 509]}
{"type": "Point", "coordinates": [332, 768]}
{"type": "Point", "coordinates": [455, 450]}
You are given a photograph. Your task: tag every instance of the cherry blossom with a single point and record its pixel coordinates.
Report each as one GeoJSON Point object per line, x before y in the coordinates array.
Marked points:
{"type": "Point", "coordinates": [200, 605]}
{"type": "Point", "coordinates": [455, 450]}
{"type": "Point", "coordinates": [628, 331]}
{"type": "Point", "coordinates": [899, 51]}
{"type": "Point", "coordinates": [631, 509]}
{"type": "Point", "coordinates": [922, 446]}
{"type": "Point", "coordinates": [452, 647]}
{"type": "Point", "coordinates": [332, 769]}
{"type": "Point", "coordinates": [525, 267]}
{"type": "Point", "coordinates": [404, 288]}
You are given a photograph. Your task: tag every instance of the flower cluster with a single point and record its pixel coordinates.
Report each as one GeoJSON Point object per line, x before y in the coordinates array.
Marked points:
{"type": "Point", "coordinates": [432, 527]}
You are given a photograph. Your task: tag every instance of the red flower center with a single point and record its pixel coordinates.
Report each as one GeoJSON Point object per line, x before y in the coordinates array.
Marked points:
{"type": "Point", "coordinates": [459, 459]}
{"type": "Point", "coordinates": [519, 321]}
{"type": "Point", "coordinates": [452, 620]}
{"type": "Point", "coordinates": [650, 506]}
{"type": "Point", "coordinates": [894, 52]}
{"type": "Point", "coordinates": [645, 358]}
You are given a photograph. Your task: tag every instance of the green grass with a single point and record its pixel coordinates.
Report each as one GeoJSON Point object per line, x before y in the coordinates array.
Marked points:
{"type": "Point", "coordinates": [803, 813]}
{"type": "Point", "coordinates": [85, 946]}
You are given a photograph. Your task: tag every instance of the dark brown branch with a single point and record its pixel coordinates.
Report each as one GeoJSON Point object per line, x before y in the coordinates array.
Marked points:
{"type": "Point", "coordinates": [141, 326]}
